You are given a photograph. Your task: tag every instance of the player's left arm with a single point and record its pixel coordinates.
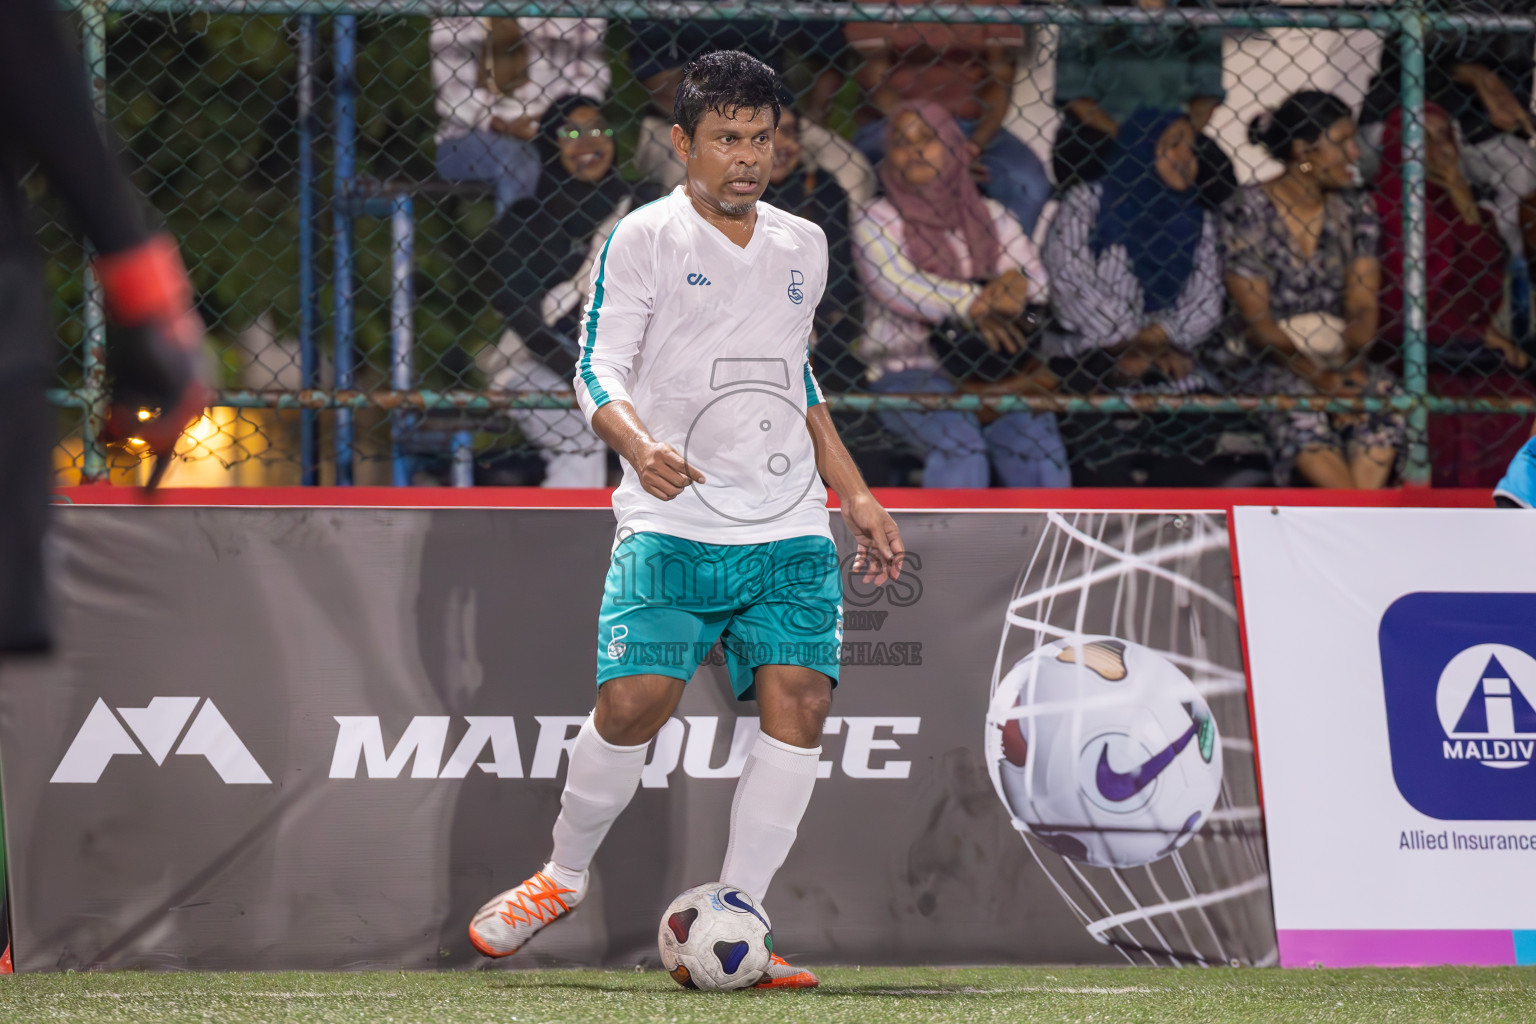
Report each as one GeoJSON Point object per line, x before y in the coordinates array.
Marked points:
{"type": "Point", "coordinates": [880, 551]}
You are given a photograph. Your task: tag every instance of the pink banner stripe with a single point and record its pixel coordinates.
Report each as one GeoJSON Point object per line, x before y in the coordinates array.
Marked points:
{"type": "Point", "coordinates": [1395, 948]}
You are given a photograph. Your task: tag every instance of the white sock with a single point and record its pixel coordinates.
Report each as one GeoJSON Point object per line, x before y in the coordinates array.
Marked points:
{"type": "Point", "coordinates": [771, 798]}
{"type": "Point", "coordinates": [599, 783]}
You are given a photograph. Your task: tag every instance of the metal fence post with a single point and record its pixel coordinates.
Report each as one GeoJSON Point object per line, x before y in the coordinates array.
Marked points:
{"type": "Point", "coordinates": [1415, 334]}
{"type": "Point", "coordinates": [93, 362]}
{"type": "Point", "coordinates": [402, 340]}
{"type": "Point", "coordinates": [309, 292]}
{"type": "Point", "coordinates": [341, 229]}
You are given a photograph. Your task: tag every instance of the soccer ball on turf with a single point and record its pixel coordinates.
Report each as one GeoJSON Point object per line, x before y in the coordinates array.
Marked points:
{"type": "Point", "coordinates": [715, 937]}
{"type": "Point", "coordinates": [1103, 750]}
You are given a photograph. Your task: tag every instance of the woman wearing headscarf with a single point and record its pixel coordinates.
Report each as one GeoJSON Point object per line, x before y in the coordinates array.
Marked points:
{"type": "Point", "coordinates": [551, 242]}
{"type": "Point", "coordinates": [932, 251]}
{"type": "Point", "coordinates": [1136, 290]}
{"type": "Point", "coordinates": [1106, 72]}
{"type": "Point", "coordinates": [1303, 274]}
{"type": "Point", "coordinates": [1135, 281]}
{"type": "Point", "coordinates": [1464, 259]}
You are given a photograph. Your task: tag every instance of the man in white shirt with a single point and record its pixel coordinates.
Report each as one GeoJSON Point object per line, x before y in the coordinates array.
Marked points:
{"type": "Point", "coordinates": [694, 367]}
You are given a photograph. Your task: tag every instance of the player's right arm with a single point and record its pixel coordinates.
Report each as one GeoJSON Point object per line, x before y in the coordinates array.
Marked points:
{"type": "Point", "coordinates": [612, 333]}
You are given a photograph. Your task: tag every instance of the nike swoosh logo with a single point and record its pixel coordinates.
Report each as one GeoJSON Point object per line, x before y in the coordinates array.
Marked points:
{"type": "Point", "coordinates": [1119, 786]}
{"type": "Point", "coordinates": [733, 898]}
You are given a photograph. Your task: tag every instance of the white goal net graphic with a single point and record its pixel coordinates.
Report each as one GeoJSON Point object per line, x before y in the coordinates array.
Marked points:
{"type": "Point", "coordinates": [1163, 581]}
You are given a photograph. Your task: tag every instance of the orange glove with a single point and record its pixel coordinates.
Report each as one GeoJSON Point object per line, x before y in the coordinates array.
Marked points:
{"type": "Point", "coordinates": [155, 372]}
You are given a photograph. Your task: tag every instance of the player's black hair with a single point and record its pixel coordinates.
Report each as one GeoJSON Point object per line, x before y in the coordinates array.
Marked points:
{"type": "Point", "coordinates": [724, 81]}
{"type": "Point", "coordinates": [1304, 117]}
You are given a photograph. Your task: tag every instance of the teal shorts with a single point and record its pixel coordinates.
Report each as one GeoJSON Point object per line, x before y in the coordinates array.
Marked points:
{"type": "Point", "coordinates": [667, 600]}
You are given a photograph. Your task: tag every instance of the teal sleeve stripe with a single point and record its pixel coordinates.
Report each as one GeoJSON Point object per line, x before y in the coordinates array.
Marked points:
{"type": "Point", "coordinates": [597, 391]}
{"type": "Point", "coordinates": [812, 393]}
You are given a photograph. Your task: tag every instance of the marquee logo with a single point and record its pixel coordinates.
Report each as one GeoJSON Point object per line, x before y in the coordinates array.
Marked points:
{"type": "Point", "coordinates": [154, 730]}
{"type": "Point", "coordinates": [490, 743]}
{"type": "Point", "coordinates": [1459, 678]}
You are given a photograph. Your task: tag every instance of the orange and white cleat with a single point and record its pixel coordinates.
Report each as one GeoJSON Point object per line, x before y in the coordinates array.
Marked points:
{"type": "Point", "coordinates": [502, 926]}
{"type": "Point", "coordinates": [782, 974]}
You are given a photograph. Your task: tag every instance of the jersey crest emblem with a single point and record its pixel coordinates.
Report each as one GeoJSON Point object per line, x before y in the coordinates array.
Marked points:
{"type": "Point", "coordinates": [796, 293]}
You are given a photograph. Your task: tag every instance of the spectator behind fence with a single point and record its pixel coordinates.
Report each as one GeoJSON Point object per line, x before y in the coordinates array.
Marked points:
{"type": "Point", "coordinates": [968, 70]}
{"type": "Point", "coordinates": [798, 187]}
{"type": "Point", "coordinates": [659, 50]}
{"type": "Point", "coordinates": [1302, 272]}
{"type": "Point", "coordinates": [1464, 286]}
{"type": "Point", "coordinates": [494, 78]}
{"type": "Point", "coordinates": [933, 252]}
{"type": "Point", "coordinates": [552, 241]}
{"type": "Point", "coordinates": [1133, 262]}
{"type": "Point", "coordinates": [1104, 72]}
{"type": "Point", "coordinates": [1483, 80]}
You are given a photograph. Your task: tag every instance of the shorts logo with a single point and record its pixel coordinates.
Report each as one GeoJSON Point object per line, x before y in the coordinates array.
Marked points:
{"type": "Point", "coordinates": [796, 293]}
{"type": "Point", "coordinates": [1460, 679]}
{"type": "Point", "coordinates": [616, 644]}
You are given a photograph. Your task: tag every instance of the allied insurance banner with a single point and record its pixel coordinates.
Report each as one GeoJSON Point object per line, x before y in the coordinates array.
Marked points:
{"type": "Point", "coordinates": [320, 738]}
{"type": "Point", "coordinates": [1393, 661]}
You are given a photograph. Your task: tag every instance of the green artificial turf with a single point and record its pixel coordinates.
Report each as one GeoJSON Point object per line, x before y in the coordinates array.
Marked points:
{"type": "Point", "coordinates": [1124, 996]}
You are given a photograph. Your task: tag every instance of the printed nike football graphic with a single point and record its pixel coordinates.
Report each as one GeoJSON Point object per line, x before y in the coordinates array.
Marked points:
{"type": "Point", "coordinates": [1119, 786]}
{"type": "Point", "coordinates": [733, 898]}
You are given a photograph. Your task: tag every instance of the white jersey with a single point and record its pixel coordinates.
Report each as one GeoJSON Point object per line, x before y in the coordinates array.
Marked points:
{"type": "Point", "coordinates": [709, 342]}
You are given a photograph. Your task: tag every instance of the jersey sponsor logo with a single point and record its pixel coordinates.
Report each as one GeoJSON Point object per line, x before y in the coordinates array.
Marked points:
{"type": "Point", "coordinates": [701, 746]}
{"type": "Point", "coordinates": [796, 293]}
{"type": "Point", "coordinates": [154, 729]}
{"type": "Point", "coordinates": [698, 279]}
{"type": "Point", "coordinates": [1459, 672]}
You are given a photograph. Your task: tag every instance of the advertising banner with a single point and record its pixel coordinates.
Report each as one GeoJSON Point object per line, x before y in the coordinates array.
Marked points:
{"type": "Point", "coordinates": [1393, 661]}
{"type": "Point", "coordinates": [321, 738]}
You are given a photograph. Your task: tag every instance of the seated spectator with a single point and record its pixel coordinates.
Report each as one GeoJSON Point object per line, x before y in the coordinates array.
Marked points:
{"type": "Point", "coordinates": [799, 187]}
{"type": "Point", "coordinates": [1464, 286]}
{"type": "Point", "coordinates": [933, 252]}
{"type": "Point", "coordinates": [1302, 272]}
{"type": "Point", "coordinates": [1133, 260]}
{"type": "Point", "coordinates": [553, 240]}
{"type": "Point", "coordinates": [660, 49]}
{"type": "Point", "coordinates": [1483, 80]}
{"type": "Point", "coordinates": [1104, 72]}
{"type": "Point", "coordinates": [494, 78]}
{"type": "Point", "coordinates": [967, 69]}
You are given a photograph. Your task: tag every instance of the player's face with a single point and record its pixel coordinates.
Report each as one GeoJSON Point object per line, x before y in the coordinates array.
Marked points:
{"type": "Point", "coordinates": [915, 150]}
{"type": "Point", "coordinates": [586, 144]}
{"type": "Point", "coordinates": [729, 158]}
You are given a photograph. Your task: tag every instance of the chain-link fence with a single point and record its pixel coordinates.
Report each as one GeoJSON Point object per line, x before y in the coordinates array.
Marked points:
{"type": "Point", "coordinates": [1145, 242]}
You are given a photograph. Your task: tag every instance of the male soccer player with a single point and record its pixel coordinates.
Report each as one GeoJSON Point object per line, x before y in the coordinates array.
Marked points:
{"type": "Point", "coordinates": [694, 368]}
